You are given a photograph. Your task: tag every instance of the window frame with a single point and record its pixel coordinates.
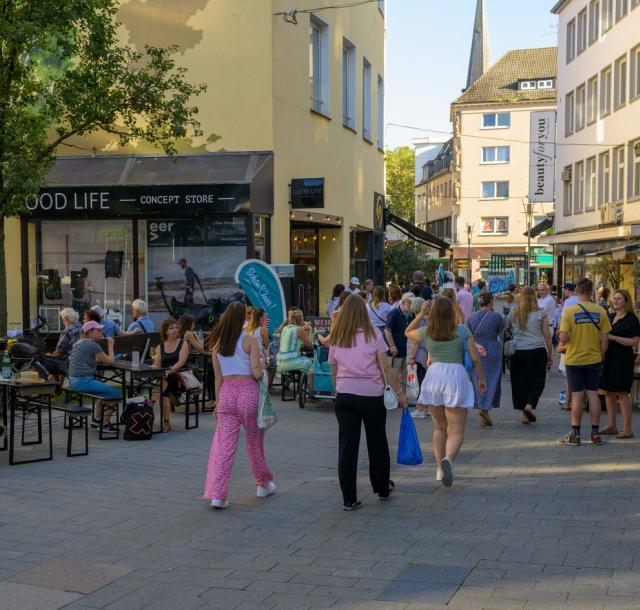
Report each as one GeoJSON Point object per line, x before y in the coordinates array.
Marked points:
{"type": "Point", "coordinates": [494, 222]}
{"type": "Point", "coordinates": [621, 82]}
{"type": "Point", "coordinates": [578, 187]}
{"type": "Point", "coordinates": [594, 21]}
{"type": "Point", "coordinates": [495, 196]}
{"type": "Point", "coordinates": [569, 113]}
{"type": "Point", "coordinates": [496, 160]}
{"type": "Point", "coordinates": [380, 114]}
{"type": "Point", "coordinates": [592, 99]}
{"type": "Point", "coordinates": [634, 72]}
{"type": "Point", "coordinates": [582, 34]}
{"type": "Point", "coordinates": [348, 84]}
{"type": "Point", "coordinates": [618, 174]}
{"type": "Point", "coordinates": [321, 104]}
{"type": "Point", "coordinates": [591, 184]}
{"type": "Point", "coordinates": [633, 176]}
{"type": "Point", "coordinates": [367, 84]}
{"type": "Point", "coordinates": [567, 196]}
{"type": "Point", "coordinates": [545, 83]}
{"type": "Point", "coordinates": [607, 15]}
{"type": "Point", "coordinates": [604, 178]}
{"type": "Point", "coordinates": [606, 91]}
{"type": "Point", "coordinates": [497, 116]}
{"type": "Point", "coordinates": [622, 9]}
{"type": "Point", "coordinates": [581, 107]}
{"type": "Point", "coordinates": [570, 41]}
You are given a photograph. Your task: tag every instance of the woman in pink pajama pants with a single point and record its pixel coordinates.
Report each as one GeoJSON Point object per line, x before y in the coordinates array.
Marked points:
{"type": "Point", "coordinates": [236, 363]}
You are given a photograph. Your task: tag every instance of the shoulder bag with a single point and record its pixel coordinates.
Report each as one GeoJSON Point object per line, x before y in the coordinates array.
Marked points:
{"type": "Point", "coordinates": [188, 381]}
{"type": "Point", "coordinates": [390, 397]}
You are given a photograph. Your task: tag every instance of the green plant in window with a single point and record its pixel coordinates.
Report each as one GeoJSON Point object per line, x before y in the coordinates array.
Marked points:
{"type": "Point", "coordinates": [65, 74]}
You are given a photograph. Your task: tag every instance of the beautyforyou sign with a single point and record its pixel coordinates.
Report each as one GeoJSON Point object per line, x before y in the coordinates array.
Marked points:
{"type": "Point", "coordinates": [263, 289]}
{"type": "Point", "coordinates": [542, 156]}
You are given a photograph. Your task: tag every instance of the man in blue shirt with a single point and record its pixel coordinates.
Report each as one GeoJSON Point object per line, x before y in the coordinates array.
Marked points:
{"type": "Point", "coordinates": [141, 322]}
{"type": "Point", "coordinates": [110, 328]}
{"type": "Point", "coordinates": [397, 322]}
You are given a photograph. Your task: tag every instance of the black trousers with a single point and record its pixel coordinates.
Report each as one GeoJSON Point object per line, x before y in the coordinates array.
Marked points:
{"type": "Point", "coordinates": [528, 376]}
{"type": "Point", "coordinates": [421, 373]}
{"type": "Point", "coordinates": [352, 411]}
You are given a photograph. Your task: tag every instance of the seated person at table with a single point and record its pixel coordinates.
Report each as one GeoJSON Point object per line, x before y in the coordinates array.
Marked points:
{"type": "Point", "coordinates": [57, 363]}
{"type": "Point", "coordinates": [141, 322]}
{"type": "Point", "coordinates": [294, 335]}
{"type": "Point", "coordinates": [172, 355]}
{"type": "Point", "coordinates": [84, 358]}
{"type": "Point", "coordinates": [111, 329]}
{"type": "Point", "coordinates": [186, 324]}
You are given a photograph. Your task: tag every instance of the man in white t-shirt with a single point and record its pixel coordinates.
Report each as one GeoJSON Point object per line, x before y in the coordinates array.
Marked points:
{"type": "Point", "coordinates": [354, 285]}
{"type": "Point", "coordinates": [546, 302]}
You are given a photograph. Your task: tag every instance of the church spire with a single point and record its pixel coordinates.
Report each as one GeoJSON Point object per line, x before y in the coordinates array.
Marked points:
{"type": "Point", "coordinates": [479, 60]}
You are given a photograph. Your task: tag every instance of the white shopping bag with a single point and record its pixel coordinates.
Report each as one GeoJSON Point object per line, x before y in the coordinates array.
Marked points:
{"type": "Point", "coordinates": [413, 387]}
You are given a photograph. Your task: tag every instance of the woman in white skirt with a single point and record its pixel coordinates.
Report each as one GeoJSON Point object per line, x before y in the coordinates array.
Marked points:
{"type": "Point", "coordinates": [446, 389]}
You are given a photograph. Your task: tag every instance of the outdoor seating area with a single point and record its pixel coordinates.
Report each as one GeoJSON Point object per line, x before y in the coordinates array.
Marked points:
{"type": "Point", "coordinates": [29, 402]}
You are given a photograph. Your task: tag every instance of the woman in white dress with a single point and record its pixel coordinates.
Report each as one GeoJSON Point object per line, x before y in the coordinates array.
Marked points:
{"type": "Point", "coordinates": [446, 389]}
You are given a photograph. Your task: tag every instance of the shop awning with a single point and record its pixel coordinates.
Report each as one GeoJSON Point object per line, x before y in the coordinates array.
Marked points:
{"type": "Point", "coordinates": [627, 248]}
{"type": "Point", "coordinates": [415, 233]}
{"type": "Point", "coordinates": [541, 227]}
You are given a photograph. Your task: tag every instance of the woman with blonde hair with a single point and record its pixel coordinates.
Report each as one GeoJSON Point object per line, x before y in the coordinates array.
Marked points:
{"type": "Point", "coordinates": [450, 294]}
{"type": "Point", "coordinates": [617, 370]}
{"type": "Point", "coordinates": [378, 309]}
{"type": "Point", "coordinates": [359, 367]}
{"type": "Point", "coordinates": [446, 390]}
{"type": "Point", "coordinates": [294, 335]}
{"type": "Point", "coordinates": [533, 354]}
{"type": "Point", "coordinates": [236, 363]}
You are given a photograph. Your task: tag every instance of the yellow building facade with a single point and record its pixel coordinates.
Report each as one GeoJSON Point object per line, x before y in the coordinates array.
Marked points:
{"type": "Point", "coordinates": [294, 106]}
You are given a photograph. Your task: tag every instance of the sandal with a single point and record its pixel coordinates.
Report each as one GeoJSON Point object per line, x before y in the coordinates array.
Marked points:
{"type": "Point", "coordinates": [609, 430]}
{"type": "Point", "coordinates": [485, 419]}
{"type": "Point", "coordinates": [166, 425]}
{"type": "Point", "coordinates": [392, 487]}
{"type": "Point", "coordinates": [622, 434]}
{"type": "Point", "coordinates": [529, 414]}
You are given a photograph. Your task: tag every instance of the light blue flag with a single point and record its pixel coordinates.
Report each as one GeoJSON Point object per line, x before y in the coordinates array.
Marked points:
{"type": "Point", "coordinates": [441, 276]}
{"type": "Point", "coordinates": [263, 289]}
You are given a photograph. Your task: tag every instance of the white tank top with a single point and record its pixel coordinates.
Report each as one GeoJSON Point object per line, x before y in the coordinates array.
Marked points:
{"type": "Point", "coordinates": [238, 364]}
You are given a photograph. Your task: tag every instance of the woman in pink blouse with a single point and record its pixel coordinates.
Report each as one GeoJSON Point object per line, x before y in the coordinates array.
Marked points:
{"type": "Point", "coordinates": [357, 355]}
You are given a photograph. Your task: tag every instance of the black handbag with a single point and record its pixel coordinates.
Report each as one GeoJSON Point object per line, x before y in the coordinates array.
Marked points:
{"type": "Point", "coordinates": [137, 419]}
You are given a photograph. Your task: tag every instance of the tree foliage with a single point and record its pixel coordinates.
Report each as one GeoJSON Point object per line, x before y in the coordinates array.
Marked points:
{"type": "Point", "coordinates": [64, 73]}
{"type": "Point", "coordinates": [402, 258]}
{"type": "Point", "coordinates": [400, 169]}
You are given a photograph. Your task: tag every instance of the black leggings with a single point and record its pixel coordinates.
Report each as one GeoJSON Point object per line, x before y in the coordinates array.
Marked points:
{"type": "Point", "coordinates": [528, 376]}
{"type": "Point", "coordinates": [352, 411]}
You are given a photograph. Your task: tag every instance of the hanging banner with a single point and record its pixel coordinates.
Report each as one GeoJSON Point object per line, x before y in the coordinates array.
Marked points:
{"type": "Point", "coordinates": [542, 156]}
{"type": "Point", "coordinates": [263, 289]}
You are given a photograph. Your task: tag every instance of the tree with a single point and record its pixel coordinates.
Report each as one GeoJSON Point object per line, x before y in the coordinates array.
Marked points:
{"type": "Point", "coordinates": [402, 258]}
{"type": "Point", "coordinates": [400, 168]}
{"type": "Point", "coordinates": [64, 73]}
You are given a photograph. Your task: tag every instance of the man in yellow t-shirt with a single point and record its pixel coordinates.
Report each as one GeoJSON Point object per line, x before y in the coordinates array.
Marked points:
{"type": "Point", "coordinates": [584, 334]}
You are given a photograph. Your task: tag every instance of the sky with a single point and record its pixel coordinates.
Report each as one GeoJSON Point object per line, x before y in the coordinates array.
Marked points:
{"type": "Point", "coordinates": [428, 47]}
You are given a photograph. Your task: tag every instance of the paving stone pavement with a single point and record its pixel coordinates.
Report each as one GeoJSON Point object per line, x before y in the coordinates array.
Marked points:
{"type": "Point", "coordinates": [527, 524]}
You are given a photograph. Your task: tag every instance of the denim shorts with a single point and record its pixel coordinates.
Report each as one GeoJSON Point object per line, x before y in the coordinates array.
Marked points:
{"type": "Point", "coordinates": [93, 386]}
{"type": "Point", "coordinates": [585, 377]}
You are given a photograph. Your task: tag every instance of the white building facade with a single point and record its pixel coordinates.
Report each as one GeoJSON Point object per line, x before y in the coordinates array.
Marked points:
{"type": "Point", "coordinates": [598, 141]}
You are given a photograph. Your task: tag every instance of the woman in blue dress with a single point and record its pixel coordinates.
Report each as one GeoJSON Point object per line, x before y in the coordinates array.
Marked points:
{"type": "Point", "coordinates": [486, 326]}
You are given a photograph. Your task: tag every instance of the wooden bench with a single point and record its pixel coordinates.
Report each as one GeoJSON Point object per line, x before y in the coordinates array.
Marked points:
{"type": "Point", "coordinates": [76, 417]}
{"type": "Point", "coordinates": [112, 404]}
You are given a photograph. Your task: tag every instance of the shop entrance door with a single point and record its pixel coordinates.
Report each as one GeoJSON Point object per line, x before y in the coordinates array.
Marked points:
{"type": "Point", "coordinates": [305, 251]}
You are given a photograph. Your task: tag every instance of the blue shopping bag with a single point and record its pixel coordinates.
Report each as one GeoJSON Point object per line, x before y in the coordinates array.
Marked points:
{"type": "Point", "coordinates": [409, 452]}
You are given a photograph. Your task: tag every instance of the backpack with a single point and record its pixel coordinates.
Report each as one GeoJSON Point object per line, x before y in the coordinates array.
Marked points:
{"type": "Point", "coordinates": [137, 419]}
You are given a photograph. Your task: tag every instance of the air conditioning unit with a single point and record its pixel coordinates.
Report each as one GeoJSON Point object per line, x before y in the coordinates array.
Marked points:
{"type": "Point", "coordinates": [566, 175]}
{"type": "Point", "coordinates": [607, 214]}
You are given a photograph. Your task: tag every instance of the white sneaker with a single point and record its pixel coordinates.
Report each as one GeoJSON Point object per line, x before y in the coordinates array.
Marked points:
{"type": "Point", "coordinates": [418, 414]}
{"type": "Point", "coordinates": [219, 503]}
{"type": "Point", "coordinates": [439, 474]}
{"type": "Point", "coordinates": [263, 492]}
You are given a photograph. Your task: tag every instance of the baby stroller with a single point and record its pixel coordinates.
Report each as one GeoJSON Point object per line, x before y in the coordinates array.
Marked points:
{"type": "Point", "coordinates": [322, 380]}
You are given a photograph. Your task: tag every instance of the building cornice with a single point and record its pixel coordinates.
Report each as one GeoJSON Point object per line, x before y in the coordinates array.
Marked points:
{"type": "Point", "coordinates": [559, 6]}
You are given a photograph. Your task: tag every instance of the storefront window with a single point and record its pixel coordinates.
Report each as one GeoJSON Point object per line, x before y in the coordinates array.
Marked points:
{"type": "Point", "coordinates": [261, 238]}
{"type": "Point", "coordinates": [304, 251]}
{"type": "Point", "coordinates": [211, 250]}
{"type": "Point", "coordinates": [84, 263]}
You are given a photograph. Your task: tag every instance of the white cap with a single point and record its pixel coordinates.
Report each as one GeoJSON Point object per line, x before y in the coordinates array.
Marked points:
{"type": "Point", "coordinates": [355, 281]}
